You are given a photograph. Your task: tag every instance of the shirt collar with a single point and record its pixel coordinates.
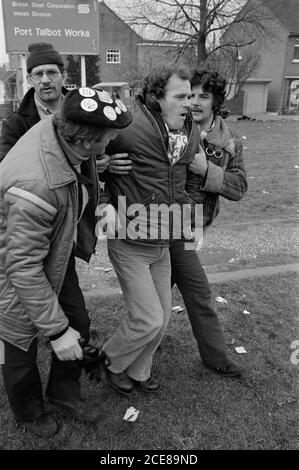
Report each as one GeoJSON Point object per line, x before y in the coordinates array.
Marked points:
{"type": "Point", "coordinates": [42, 110]}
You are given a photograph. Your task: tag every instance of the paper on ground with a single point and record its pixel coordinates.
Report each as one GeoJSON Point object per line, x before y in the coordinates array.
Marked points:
{"type": "Point", "coordinates": [221, 300]}
{"type": "Point", "coordinates": [246, 312]}
{"type": "Point", "coordinates": [177, 309]}
{"type": "Point", "coordinates": [131, 414]}
{"type": "Point", "coordinates": [240, 350]}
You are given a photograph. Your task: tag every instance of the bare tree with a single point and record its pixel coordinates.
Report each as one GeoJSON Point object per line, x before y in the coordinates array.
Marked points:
{"type": "Point", "coordinates": [235, 67]}
{"type": "Point", "coordinates": [198, 25]}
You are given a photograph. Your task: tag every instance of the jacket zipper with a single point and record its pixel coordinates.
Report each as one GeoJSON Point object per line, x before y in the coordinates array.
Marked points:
{"type": "Point", "coordinates": [161, 137]}
{"type": "Point", "coordinates": [72, 239]}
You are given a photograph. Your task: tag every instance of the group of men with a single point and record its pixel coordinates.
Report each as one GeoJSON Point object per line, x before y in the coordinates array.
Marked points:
{"type": "Point", "coordinates": [51, 152]}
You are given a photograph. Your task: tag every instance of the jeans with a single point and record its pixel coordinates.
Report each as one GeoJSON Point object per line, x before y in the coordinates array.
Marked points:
{"type": "Point", "coordinates": [190, 277]}
{"type": "Point", "coordinates": [21, 376]}
{"type": "Point", "coordinates": [144, 276]}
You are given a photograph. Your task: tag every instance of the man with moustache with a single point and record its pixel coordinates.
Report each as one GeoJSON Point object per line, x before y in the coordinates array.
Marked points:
{"type": "Point", "coordinates": [46, 75]}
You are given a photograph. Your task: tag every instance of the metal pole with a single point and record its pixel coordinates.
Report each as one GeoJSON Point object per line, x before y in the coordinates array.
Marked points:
{"type": "Point", "coordinates": [24, 74]}
{"type": "Point", "coordinates": [83, 71]}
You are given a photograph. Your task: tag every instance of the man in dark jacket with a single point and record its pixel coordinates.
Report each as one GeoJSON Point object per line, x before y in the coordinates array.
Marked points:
{"type": "Point", "coordinates": [48, 198]}
{"type": "Point", "coordinates": [46, 75]}
{"type": "Point", "coordinates": [162, 141]}
{"type": "Point", "coordinates": [218, 172]}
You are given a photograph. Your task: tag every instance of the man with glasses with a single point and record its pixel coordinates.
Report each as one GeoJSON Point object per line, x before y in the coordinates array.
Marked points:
{"type": "Point", "coordinates": [46, 75]}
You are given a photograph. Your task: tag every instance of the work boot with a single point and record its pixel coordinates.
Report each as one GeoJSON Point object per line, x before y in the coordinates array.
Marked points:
{"type": "Point", "coordinates": [150, 385]}
{"type": "Point", "coordinates": [80, 410]}
{"type": "Point", "coordinates": [230, 370]}
{"type": "Point", "coordinates": [120, 382]}
{"type": "Point", "coordinates": [43, 426]}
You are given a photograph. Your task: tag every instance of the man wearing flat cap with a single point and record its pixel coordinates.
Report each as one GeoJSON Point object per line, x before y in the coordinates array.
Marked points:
{"type": "Point", "coordinates": [48, 197]}
{"type": "Point", "coordinates": [46, 76]}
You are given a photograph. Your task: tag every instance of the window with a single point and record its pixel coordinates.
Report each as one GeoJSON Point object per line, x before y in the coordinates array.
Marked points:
{"type": "Point", "coordinates": [113, 56]}
{"type": "Point", "coordinates": [296, 53]}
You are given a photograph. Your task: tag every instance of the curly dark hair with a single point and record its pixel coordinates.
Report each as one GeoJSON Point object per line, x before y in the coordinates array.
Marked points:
{"type": "Point", "coordinates": [155, 82]}
{"type": "Point", "coordinates": [211, 82]}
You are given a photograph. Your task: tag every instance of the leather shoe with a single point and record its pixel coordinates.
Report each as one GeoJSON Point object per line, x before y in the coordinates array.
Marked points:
{"type": "Point", "coordinates": [149, 385]}
{"type": "Point", "coordinates": [43, 426]}
{"type": "Point", "coordinates": [230, 370]}
{"type": "Point", "coordinates": [80, 410]}
{"type": "Point", "coordinates": [120, 382]}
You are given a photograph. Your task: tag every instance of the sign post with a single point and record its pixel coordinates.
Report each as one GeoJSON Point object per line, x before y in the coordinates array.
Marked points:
{"type": "Point", "coordinates": [24, 74]}
{"type": "Point", "coordinates": [83, 71]}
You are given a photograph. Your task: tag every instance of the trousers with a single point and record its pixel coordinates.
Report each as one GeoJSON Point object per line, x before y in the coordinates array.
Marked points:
{"type": "Point", "coordinates": [20, 372]}
{"type": "Point", "coordinates": [144, 276]}
{"type": "Point", "coordinates": [192, 282]}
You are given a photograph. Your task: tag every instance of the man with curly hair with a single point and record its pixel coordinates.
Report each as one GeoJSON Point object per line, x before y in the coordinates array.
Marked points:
{"type": "Point", "coordinates": [218, 170]}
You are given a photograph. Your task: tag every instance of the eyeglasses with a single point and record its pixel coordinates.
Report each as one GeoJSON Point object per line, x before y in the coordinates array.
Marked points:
{"type": "Point", "coordinates": [211, 152]}
{"type": "Point", "coordinates": [51, 74]}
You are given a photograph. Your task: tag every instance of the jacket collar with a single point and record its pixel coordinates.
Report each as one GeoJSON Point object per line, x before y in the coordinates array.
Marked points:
{"type": "Point", "coordinates": [220, 135]}
{"type": "Point", "coordinates": [27, 106]}
{"type": "Point", "coordinates": [154, 108]}
{"type": "Point", "coordinates": [57, 169]}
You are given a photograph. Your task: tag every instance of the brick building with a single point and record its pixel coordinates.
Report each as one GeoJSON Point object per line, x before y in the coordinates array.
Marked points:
{"type": "Point", "coordinates": [278, 52]}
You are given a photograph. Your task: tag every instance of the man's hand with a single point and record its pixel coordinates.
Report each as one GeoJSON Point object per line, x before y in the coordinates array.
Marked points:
{"type": "Point", "coordinates": [67, 347]}
{"type": "Point", "coordinates": [102, 163]}
{"type": "Point", "coordinates": [120, 164]}
{"type": "Point", "coordinates": [199, 165]}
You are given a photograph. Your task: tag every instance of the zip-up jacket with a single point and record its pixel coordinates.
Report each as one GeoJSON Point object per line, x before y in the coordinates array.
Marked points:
{"type": "Point", "coordinates": [38, 225]}
{"type": "Point", "coordinates": [153, 179]}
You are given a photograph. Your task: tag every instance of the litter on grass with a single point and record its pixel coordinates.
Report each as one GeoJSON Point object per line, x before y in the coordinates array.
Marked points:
{"type": "Point", "coordinates": [221, 300]}
{"type": "Point", "coordinates": [240, 350]}
{"type": "Point", "coordinates": [265, 192]}
{"type": "Point", "coordinates": [106, 270]}
{"type": "Point", "coordinates": [131, 414]}
{"type": "Point", "coordinates": [246, 312]}
{"type": "Point", "coordinates": [177, 309]}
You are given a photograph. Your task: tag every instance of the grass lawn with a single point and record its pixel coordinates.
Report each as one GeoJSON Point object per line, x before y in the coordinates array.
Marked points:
{"type": "Point", "coordinates": [195, 409]}
{"type": "Point", "coordinates": [270, 151]}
